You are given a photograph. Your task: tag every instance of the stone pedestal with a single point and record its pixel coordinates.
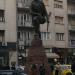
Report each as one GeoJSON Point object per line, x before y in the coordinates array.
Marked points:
{"type": "Point", "coordinates": [37, 57]}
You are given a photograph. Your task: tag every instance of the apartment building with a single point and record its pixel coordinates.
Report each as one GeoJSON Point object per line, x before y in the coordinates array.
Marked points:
{"type": "Point", "coordinates": [61, 28]}
{"type": "Point", "coordinates": [17, 32]}
{"type": "Point", "coordinates": [55, 40]}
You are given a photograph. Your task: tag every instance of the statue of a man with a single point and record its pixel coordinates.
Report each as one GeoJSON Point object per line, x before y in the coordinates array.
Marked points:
{"type": "Point", "coordinates": [39, 15]}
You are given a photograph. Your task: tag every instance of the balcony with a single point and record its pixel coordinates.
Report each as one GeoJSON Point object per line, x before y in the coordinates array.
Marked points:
{"type": "Point", "coordinates": [21, 42]}
{"type": "Point", "coordinates": [25, 43]}
{"type": "Point", "coordinates": [71, 11]}
{"type": "Point", "coordinates": [23, 4]}
{"type": "Point", "coordinates": [28, 42]}
{"type": "Point", "coordinates": [26, 24]}
{"type": "Point", "coordinates": [72, 27]}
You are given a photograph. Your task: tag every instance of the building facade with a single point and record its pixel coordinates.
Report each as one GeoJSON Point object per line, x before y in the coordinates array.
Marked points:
{"type": "Point", "coordinates": [58, 27]}
{"type": "Point", "coordinates": [25, 29]}
{"type": "Point", "coordinates": [60, 36]}
{"type": "Point", "coordinates": [17, 32]}
{"type": "Point", "coordinates": [8, 38]}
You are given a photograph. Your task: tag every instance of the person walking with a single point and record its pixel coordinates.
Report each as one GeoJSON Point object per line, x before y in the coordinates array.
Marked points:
{"type": "Point", "coordinates": [57, 69]}
{"type": "Point", "coordinates": [42, 69]}
{"type": "Point", "coordinates": [52, 68]}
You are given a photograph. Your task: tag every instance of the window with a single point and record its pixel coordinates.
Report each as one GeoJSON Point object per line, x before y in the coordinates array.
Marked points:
{"type": "Point", "coordinates": [1, 15]}
{"type": "Point", "coordinates": [28, 35]}
{"type": "Point", "coordinates": [21, 35]}
{"type": "Point", "coordinates": [2, 36]}
{"type": "Point", "coordinates": [22, 18]}
{"type": "Point", "coordinates": [58, 20]}
{"type": "Point", "coordinates": [19, 19]}
{"type": "Point", "coordinates": [27, 17]}
{"type": "Point", "coordinates": [60, 36]}
{"type": "Point", "coordinates": [45, 35]}
{"type": "Point", "coordinates": [28, 38]}
{"type": "Point", "coordinates": [73, 42]}
{"type": "Point", "coordinates": [18, 35]}
{"type": "Point", "coordinates": [58, 4]}
{"type": "Point", "coordinates": [25, 36]}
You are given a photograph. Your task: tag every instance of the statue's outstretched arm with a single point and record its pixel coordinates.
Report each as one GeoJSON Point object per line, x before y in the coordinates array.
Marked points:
{"type": "Point", "coordinates": [45, 12]}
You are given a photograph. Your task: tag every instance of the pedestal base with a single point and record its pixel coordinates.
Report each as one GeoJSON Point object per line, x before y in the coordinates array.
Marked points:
{"type": "Point", "coordinates": [37, 58]}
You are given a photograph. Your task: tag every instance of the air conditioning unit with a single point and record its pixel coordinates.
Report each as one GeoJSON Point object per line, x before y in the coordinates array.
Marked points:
{"type": "Point", "coordinates": [4, 43]}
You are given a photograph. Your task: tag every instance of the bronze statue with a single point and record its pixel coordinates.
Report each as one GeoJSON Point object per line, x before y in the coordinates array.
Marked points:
{"type": "Point", "coordinates": [37, 62]}
{"type": "Point", "coordinates": [39, 15]}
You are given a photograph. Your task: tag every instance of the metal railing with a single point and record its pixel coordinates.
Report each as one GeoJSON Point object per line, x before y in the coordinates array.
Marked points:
{"type": "Point", "coordinates": [71, 27]}
{"type": "Point", "coordinates": [24, 3]}
{"type": "Point", "coordinates": [71, 11]}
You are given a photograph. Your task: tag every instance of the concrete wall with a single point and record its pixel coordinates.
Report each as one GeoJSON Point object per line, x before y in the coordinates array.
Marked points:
{"type": "Point", "coordinates": [2, 4]}
{"type": "Point", "coordinates": [10, 21]}
{"type": "Point", "coordinates": [62, 28]}
{"type": "Point", "coordinates": [9, 26]}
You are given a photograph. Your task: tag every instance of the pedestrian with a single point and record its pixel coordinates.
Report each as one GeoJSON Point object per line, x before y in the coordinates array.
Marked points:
{"type": "Point", "coordinates": [73, 67]}
{"type": "Point", "coordinates": [52, 68]}
{"type": "Point", "coordinates": [33, 69]}
{"type": "Point", "coordinates": [42, 69]}
{"type": "Point", "coordinates": [57, 69]}
{"type": "Point", "coordinates": [13, 67]}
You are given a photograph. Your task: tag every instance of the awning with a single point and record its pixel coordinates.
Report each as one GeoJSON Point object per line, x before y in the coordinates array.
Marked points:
{"type": "Point", "coordinates": [52, 55]}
